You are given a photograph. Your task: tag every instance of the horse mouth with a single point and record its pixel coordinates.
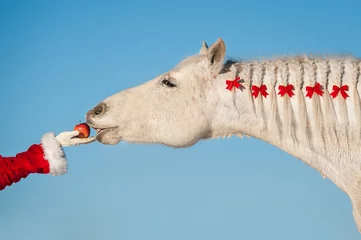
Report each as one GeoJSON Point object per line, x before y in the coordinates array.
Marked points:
{"type": "Point", "coordinates": [100, 131]}
{"type": "Point", "coordinates": [105, 134]}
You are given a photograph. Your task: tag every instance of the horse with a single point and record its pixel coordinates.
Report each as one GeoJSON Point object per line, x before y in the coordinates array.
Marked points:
{"type": "Point", "coordinates": [308, 106]}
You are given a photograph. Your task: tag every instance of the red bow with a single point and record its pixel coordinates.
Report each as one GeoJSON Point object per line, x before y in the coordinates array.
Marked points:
{"type": "Point", "coordinates": [315, 89]}
{"type": "Point", "coordinates": [233, 84]}
{"type": "Point", "coordinates": [262, 89]}
{"type": "Point", "coordinates": [337, 89]}
{"type": "Point", "coordinates": [286, 89]}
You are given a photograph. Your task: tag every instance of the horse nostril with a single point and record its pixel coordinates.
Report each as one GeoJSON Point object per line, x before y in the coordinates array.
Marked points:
{"type": "Point", "coordinates": [99, 109]}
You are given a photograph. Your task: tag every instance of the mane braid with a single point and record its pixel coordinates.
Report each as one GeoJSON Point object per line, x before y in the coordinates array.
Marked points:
{"type": "Point", "coordinates": [246, 75]}
{"type": "Point", "coordinates": [295, 78]}
{"type": "Point", "coordinates": [287, 111]}
{"type": "Point", "coordinates": [270, 81]}
{"type": "Point", "coordinates": [350, 75]}
{"type": "Point", "coordinates": [323, 70]}
{"type": "Point", "coordinates": [336, 78]}
{"type": "Point", "coordinates": [257, 80]}
{"type": "Point", "coordinates": [311, 79]}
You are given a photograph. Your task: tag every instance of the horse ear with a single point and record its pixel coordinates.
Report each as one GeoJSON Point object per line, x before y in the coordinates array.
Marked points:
{"type": "Point", "coordinates": [204, 48]}
{"type": "Point", "coordinates": [216, 53]}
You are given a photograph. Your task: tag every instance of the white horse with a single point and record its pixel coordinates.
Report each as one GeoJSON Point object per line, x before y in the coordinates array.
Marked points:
{"type": "Point", "coordinates": [307, 106]}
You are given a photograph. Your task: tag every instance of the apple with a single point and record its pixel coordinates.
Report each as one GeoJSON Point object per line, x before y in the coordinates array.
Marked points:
{"type": "Point", "coordinates": [84, 130]}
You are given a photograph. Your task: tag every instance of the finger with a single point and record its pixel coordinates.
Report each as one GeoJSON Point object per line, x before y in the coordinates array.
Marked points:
{"type": "Point", "coordinates": [86, 140]}
{"type": "Point", "coordinates": [77, 141]}
{"type": "Point", "coordinates": [74, 133]}
{"type": "Point", "coordinates": [69, 134]}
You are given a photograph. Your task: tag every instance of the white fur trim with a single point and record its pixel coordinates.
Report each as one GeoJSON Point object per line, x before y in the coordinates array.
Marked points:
{"type": "Point", "coordinates": [54, 153]}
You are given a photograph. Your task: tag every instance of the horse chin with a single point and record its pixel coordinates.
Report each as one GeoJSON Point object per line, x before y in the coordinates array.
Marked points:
{"type": "Point", "coordinates": [108, 137]}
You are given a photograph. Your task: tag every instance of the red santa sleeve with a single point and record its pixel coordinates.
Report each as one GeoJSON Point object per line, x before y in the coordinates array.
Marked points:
{"type": "Point", "coordinates": [47, 157]}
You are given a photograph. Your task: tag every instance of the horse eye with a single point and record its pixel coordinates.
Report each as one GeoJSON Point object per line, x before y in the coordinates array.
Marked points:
{"type": "Point", "coordinates": [168, 83]}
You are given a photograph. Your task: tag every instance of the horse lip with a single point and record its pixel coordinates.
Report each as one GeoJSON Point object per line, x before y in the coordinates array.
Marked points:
{"type": "Point", "coordinates": [92, 125]}
{"type": "Point", "coordinates": [102, 129]}
{"type": "Point", "coordinates": [104, 138]}
{"type": "Point", "coordinates": [99, 129]}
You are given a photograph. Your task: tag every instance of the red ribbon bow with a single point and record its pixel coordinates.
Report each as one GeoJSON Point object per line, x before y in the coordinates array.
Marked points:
{"type": "Point", "coordinates": [337, 89]}
{"type": "Point", "coordinates": [286, 89]}
{"type": "Point", "coordinates": [233, 84]}
{"type": "Point", "coordinates": [315, 89]}
{"type": "Point", "coordinates": [262, 89]}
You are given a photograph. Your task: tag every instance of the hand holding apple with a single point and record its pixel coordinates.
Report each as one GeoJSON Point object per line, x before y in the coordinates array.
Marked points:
{"type": "Point", "coordinates": [80, 135]}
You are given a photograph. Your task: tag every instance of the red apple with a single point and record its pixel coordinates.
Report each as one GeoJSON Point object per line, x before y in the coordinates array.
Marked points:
{"type": "Point", "coordinates": [84, 130]}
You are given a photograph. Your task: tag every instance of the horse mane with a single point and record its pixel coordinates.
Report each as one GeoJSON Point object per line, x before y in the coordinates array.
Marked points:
{"type": "Point", "coordinates": [322, 118]}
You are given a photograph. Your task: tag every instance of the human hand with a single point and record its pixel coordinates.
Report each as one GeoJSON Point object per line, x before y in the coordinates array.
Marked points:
{"type": "Point", "coordinates": [69, 139]}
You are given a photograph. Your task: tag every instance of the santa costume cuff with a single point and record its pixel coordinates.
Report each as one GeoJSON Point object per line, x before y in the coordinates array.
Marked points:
{"type": "Point", "coordinates": [53, 152]}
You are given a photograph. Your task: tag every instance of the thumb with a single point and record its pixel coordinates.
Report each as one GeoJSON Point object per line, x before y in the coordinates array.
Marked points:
{"type": "Point", "coordinates": [72, 134]}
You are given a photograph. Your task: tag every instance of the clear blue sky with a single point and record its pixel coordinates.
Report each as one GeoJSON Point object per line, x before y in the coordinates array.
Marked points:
{"type": "Point", "coordinates": [60, 58]}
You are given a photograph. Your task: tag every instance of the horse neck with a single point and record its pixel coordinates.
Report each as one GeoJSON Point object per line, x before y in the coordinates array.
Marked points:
{"type": "Point", "coordinates": [321, 131]}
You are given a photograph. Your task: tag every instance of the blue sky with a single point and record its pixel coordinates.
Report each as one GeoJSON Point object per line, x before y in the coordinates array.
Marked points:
{"type": "Point", "coordinates": [60, 58]}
